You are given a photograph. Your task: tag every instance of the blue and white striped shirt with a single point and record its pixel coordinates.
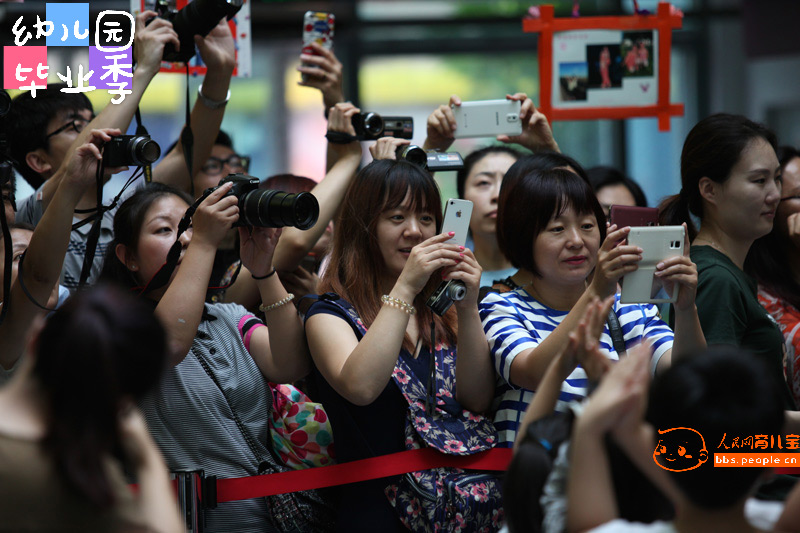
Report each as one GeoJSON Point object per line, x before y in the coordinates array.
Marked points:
{"type": "Point", "coordinates": [514, 322]}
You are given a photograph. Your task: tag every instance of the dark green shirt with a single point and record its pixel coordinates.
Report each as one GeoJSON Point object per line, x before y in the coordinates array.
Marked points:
{"type": "Point", "coordinates": [730, 313]}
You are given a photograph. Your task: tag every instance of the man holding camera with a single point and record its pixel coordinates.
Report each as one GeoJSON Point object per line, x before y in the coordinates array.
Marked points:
{"type": "Point", "coordinates": [44, 131]}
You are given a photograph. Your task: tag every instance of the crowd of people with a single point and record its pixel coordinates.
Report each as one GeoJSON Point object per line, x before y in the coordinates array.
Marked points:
{"type": "Point", "coordinates": [162, 333]}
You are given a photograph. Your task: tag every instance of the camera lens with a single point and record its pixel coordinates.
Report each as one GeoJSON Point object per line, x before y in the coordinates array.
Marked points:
{"type": "Point", "coordinates": [413, 154]}
{"type": "Point", "coordinates": [456, 290]}
{"type": "Point", "coordinates": [144, 150]}
{"type": "Point", "coordinates": [275, 209]}
{"type": "Point", "coordinates": [373, 124]}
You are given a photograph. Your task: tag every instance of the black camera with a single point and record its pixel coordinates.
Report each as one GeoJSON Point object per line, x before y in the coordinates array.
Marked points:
{"type": "Point", "coordinates": [198, 17]}
{"type": "Point", "coordinates": [431, 160]}
{"type": "Point", "coordinates": [371, 126]}
{"type": "Point", "coordinates": [445, 294]}
{"type": "Point", "coordinates": [271, 209]}
{"type": "Point", "coordinates": [130, 150]}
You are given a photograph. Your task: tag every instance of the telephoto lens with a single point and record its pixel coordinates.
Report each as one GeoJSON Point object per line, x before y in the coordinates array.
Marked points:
{"type": "Point", "coordinates": [275, 209]}
{"type": "Point", "coordinates": [413, 154]}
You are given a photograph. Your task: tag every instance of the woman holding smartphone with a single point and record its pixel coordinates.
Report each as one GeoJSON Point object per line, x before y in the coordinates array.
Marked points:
{"type": "Point", "coordinates": [553, 229]}
{"type": "Point", "coordinates": [385, 363]}
{"type": "Point", "coordinates": [731, 180]}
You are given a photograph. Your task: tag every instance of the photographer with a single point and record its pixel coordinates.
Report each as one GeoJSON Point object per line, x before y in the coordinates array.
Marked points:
{"type": "Point", "coordinates": [45, 252]}
{"type": "Point", "coordinates": [296, 244]}
{"type": "Point", "coordinates": [210, 411]}
{"type": "Point", "coordinates": [69, 118]}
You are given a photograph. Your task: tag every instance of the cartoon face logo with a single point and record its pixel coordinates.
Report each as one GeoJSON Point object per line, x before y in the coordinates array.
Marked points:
{"type": "Point", "coordinates": [680, 449]}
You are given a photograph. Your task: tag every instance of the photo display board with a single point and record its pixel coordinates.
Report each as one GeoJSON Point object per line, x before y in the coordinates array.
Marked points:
{"type": "Point", "coordinates": [606, 67]}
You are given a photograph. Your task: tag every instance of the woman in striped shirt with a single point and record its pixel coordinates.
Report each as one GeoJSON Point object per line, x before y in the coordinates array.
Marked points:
{"type": "Point", "coordinates": [551, 226]}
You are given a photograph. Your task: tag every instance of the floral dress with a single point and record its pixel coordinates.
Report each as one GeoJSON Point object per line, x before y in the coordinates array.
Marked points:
{"type": "Point", "coordinates": [440, 499]}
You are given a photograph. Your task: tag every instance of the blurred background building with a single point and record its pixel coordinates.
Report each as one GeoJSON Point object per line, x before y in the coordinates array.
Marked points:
{"type": "Point", "coordinates": [408, 56]}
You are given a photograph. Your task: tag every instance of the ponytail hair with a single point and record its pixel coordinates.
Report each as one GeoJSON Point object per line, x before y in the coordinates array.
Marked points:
{"type": "Point", "coordinates": [712, 148]}
{"type": "Point", "coordinates": [100, 347]}
{"type": "Point", "coordinates": [674, 210]}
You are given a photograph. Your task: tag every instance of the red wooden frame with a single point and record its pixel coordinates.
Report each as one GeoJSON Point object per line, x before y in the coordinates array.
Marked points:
{"type": "Point", "coordinates": [664, 21]}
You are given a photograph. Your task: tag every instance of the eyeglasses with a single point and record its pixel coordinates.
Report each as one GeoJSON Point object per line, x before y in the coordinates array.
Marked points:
{"type": "Point", "coordinates": [77, 124]}
{"type": "Point", "coordinates": [237, 163]}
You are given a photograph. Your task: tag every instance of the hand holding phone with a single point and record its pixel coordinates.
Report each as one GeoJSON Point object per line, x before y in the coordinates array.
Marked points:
{"type": "Point", "coordinates": [457, 214]}
{"type": "Point", "coordinates": [659, 243]}
{"type": "Point", "coordinates": [487, 118]}
{"type": "Point", "coordinates": [317, 28]}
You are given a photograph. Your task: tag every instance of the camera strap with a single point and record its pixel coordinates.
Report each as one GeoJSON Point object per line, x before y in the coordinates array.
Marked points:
{"type": "Point", "coordinates": [141, 130]}
{"type": "Point", "coordinates": [430, 393]}
{"type": "Point", "coordinates": [339, 137]}
{"type": "Point", "coordinates": [22, 286]}
{"type": "Point", "coordinates": [94, 233]}
{"type": "Point", "coordinates": [8, 248]}
{"type": "Point", "coordinates": [161, 277]}
{"type": "Point", "coordinates": [187, 138]}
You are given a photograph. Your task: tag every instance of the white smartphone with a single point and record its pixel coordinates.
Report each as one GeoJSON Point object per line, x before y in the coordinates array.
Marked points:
{"type": "Point", "coordinates": [457, 214]}
{"type": "Point", "coordinates": [487, 118]}
{"type": "Point", "coordinates": [659, 243]}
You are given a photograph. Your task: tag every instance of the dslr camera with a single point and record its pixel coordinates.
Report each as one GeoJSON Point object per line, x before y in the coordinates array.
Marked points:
{"type": "Point", "coordinates": [266, 208]}
{"type": "Point", "coordinates": [130, 150]}
{"type": "Point", "coordinates": [430, 160]}
{"type": "Point", "coordinates": [198, 17]}
{"type": "Point", "coordinates": [372, 126]}
{"type": "Point", "coordinates": [445, 294]}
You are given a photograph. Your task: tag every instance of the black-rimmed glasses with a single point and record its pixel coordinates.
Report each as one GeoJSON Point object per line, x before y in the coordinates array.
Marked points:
{"type": "Point", "coordinates": [237, 163]}
{"type": "Point", "coordinates": [77, 124]}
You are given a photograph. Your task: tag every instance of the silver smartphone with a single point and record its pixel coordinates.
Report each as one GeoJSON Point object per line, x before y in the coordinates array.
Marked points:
{"type": "Point", "coordinates": [457, 214]}
{"type": "Point", "coordinates": [659, 243]}
{"type": "Point", "coordinates": [487, 118]}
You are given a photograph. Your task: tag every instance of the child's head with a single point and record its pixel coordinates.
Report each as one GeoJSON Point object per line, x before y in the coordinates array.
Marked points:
{"type": "Point", "coordinates": [722, 394]}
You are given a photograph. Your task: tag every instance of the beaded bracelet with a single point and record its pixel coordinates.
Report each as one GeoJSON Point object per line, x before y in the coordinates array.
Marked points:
{"type": "Point", "coordinates": [264, 308]}
{"type": "Point", "coordinates": [397, 303]}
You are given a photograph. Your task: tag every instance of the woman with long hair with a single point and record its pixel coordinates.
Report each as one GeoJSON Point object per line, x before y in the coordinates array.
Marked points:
{"type": "Point", "coordinates": [384, 360]}
{"type": "Point", "coordinates": [731, 181]}
{"type": "Point", "coordinates": [553, 229]}
{"type": "Point", "coordinates": [775, 262]}
{"type": "Point", "coordinates": [212, 408]}
{"type": "Point", "coordinates": [68, 420]}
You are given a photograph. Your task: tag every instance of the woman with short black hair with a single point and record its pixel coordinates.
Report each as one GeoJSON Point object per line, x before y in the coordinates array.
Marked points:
{"type": "Point", "coordinates": [553, 229]}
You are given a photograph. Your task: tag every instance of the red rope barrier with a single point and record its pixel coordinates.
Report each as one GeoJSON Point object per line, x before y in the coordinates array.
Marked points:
{"type": "Point", "coordinates": [373, 468]}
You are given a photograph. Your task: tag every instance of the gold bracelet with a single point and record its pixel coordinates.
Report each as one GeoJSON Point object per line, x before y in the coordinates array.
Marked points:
{"type": "Point", "coordinates": [397, 303]}
{"type": "Point", "coordinates": [264, 308]}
